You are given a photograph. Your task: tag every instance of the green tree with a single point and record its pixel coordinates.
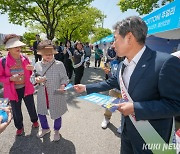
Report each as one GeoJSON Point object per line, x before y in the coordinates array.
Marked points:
{"type": "Point", "coordinates": [100, 33]}
{"type": "Point", "coordinates": [78, 23]}
{"type": "Point", "coordinates": [46, 12]}
{"type": "Point", "coordinates": [141, 6]}
{"type": "Point", "coordinates": [28, 37]}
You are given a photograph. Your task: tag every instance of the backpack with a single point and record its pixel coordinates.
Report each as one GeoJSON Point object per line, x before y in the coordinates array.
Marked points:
{"type": "Point", "coordinates": [3, 62]}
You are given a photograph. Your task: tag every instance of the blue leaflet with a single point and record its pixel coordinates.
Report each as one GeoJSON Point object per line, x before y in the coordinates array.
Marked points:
{"type": "Point", "coordinates": [103, 100]}
{"type": "Point", "coordinates": [3, 114]}
{"type": "Point", "coordinates": [111, 105]}
{"type": "Point", "coordinates": [69, 86]}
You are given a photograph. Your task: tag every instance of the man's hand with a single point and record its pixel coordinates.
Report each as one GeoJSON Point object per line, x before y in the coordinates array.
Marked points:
{"type": "Point", "coordinates": [126, 108]}
{"type": "Point", "coordinates": [79, 88]}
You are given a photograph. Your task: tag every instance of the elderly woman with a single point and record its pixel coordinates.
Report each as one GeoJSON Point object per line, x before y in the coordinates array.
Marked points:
{"type": "Point", "coordinates": [15, 72]}
{"type": "Point", "coordinates": [51, 77]}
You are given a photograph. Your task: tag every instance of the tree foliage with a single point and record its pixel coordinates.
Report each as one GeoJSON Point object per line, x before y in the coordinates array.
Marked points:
{"type": "Point", "coordinates": [141, 6]}
{"type": "Point", "coordinates": [46, 12]}
{"type": "Point", "coordinates": [78, 23]}
{"type": "Point", "coordinates": [28, 37]}
{"type": "Point", "coordinates": [100, 33]}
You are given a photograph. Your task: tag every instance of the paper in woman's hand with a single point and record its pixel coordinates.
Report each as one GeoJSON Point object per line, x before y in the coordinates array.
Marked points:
{"type": "Point", "coordinates": [68, 87]}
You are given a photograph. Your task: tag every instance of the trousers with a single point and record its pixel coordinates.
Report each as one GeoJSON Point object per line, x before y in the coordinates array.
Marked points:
{"type": "Point", "coordinates": [45, 125]}
{"type": "Point", "coordinates": [17, 111]}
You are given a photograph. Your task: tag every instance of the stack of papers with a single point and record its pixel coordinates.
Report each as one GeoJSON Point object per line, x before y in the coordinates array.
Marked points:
{"type": "Point", "coordinates": [105, 101]}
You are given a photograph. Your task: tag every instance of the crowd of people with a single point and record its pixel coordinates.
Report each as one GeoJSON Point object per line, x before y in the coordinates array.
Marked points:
{"type": "Point", "coordinates": [73, 55]}
{"type": "Point", "coordinates": [147, 81]}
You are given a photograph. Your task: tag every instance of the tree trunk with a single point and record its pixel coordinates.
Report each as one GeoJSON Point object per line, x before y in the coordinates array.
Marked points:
{"type": "Point", "coordinates": [50, 34]}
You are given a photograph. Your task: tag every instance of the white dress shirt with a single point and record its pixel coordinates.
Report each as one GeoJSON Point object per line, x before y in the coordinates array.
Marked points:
{"type": "Point", "coordinates": [130, 66]}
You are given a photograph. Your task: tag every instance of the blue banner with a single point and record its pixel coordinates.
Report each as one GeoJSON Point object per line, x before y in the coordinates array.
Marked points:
{"type": "Point", "coordinates": [165, 19]}
{"type": "Point", "coordinates": [109, 38]}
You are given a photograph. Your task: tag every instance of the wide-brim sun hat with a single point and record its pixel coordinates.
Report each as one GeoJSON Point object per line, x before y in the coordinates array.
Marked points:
{"type": "Point", "coordinates": [13, 43]}
{"type": "Point", "coordinates": [47, 50]}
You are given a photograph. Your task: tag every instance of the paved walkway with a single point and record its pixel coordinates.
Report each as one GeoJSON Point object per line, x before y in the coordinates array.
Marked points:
{"type": "Point", "coordinates": [81, 129]}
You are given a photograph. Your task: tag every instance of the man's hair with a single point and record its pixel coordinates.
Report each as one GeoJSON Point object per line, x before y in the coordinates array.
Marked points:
{"type": "Point", "coordinates": [135, 25]}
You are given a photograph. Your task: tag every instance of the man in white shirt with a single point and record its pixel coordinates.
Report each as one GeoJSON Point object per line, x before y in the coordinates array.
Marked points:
{"type": "Point", "coordinates": [150, 86]}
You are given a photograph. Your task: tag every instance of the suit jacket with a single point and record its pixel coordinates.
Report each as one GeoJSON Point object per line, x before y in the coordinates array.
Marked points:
{"type": "Point", "coordinates": [35, 45]}
{"type": "Point", "coordinates": [155, 89]}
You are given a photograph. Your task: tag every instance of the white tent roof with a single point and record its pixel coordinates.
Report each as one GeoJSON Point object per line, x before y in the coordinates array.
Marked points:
{"type": "Point", "coordinates": [172, 34]}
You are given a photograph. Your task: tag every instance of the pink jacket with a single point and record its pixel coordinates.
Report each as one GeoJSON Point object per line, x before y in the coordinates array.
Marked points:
{"type": "Point", "coordinates": [9, 88]}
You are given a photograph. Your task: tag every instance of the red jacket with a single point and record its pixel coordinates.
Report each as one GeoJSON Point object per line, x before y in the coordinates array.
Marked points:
{"type": "Point", "coordinates": [9, 88]}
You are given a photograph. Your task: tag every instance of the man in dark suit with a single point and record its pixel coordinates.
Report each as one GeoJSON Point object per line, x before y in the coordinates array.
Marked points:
{"type": "Point", "coordinates": [153, 86]}
{"type": "Point", "coordinates": [35, 44]}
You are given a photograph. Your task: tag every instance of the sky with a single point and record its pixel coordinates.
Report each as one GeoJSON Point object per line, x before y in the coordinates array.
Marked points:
{"type": "Point", "coordinates": [108, 7]}
{"type": "Point", "coordinates": [112, 12]}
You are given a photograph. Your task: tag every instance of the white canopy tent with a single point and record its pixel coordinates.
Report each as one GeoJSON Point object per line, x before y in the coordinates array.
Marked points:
{"type": "Point", "coordinates": [172, 34]}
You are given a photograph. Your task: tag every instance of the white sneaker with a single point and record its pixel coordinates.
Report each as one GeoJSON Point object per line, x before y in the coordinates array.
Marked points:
{"type": "Point", "coordinates": [56, 135]}
{"type": "Point", "coordinates": [105, 123]}
{"type": "Point", "coordinates": [43, 132]}
{"type": "Point", "coordinates": [119, 130]}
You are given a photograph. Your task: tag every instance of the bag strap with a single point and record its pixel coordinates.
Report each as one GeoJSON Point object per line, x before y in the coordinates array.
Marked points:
{"type": "Point", "coordinates": [3, 62]}
{"type": "Point", "coordinates": [48, 68]}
